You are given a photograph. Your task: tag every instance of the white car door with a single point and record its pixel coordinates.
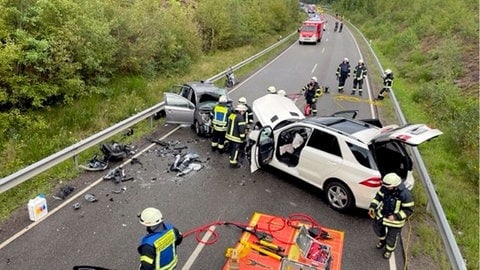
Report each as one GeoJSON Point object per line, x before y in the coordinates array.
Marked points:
{"type": "Point", "coordinates": [262, 148]}
{"type": "Point", "coordinates": [178, 110]}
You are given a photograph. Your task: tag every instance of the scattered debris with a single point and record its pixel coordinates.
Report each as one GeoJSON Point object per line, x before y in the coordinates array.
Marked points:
{"type": "Point", "coordinates": [186, 163]}
{"type": "Point", "coordinates": [120, 190]}
{"type": "Point", "coordinates": [136, 161]}
{"type": "Point", "coordinates": [116, 151]}
{"type": "Point", "coordinates": [117, 176]}
{"type": "Point", "coordinates": [76, 206]}
{"type": "Point", "coordinates": [90, 197]}
{"type": "Point", "coordinates": [95, 164]}
{"type": "Point", "coordinates": [63, 192]}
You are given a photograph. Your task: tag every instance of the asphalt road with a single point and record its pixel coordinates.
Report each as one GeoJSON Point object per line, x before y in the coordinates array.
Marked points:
{"type": "Point", "coordinates": [106, 233]}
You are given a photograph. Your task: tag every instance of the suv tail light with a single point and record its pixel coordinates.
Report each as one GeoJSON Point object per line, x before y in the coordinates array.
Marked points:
{"type": "Point", "coordinates": [372, 182]}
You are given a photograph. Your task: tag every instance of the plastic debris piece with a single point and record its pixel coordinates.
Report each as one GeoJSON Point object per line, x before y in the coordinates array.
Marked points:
{"type": "Point", "coordinates": [90, 197]}
{"type": "Point", "coordinates": [76, 206]}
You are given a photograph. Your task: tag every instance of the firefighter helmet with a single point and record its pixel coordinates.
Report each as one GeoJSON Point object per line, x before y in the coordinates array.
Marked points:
{"type": "Point", "coordinates": [241, 108]}
{"type": "Point", "coordinates": [360, 61]}
{"type": "Point", "coordinates": [282, 92]}
{"type": "Point", "coordinates": [242, 100]}
{"type": "Point", "coordinates": [345, 60]}
{"type": "Point", "coordinates": [314, 79]}
{"type": "Point", "coordinates": [222, 99]}
{"type": "Point", "coordinates": [150, 217]}
{"type": "Point", "coordinates": [388, 71]}
{"type": "Point", "coordinates": [272, 89]}
{"type": "Point", "coordinates": [392, 180]}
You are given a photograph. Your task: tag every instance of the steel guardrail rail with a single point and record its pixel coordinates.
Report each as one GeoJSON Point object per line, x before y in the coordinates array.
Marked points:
{"type": "Point", "coordinates": [38, 167]}
{"type": "Point", "coordinates": [453, 252]}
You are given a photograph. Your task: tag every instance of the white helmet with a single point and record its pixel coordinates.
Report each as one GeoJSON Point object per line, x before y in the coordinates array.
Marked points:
{"type": "Point", "coordinates": [242, 100]}
{"type": "Point", "coordinates": [388, 71]}
{"type": "Point", "coordinates": [272, 89]}
{"type": "Point", "coordinates": [222, 99]}
{"type": "Point", "coordinates": [150, 217]}
{"type": "Point", "coordinates": [314, 79]}
{"type": "Point", "coordinates": [360, 61]}
{"type": "Point", "coordinates": [391, 180]}
{"type": "Point", "coordinates": [282, 92]}
{"type": "Point", "coordinates": [241, 108]}
{"type": "Point", "coordinates": [345, 59]}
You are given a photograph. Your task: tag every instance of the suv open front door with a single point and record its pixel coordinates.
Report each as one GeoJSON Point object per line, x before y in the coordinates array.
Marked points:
{"type": "Point", "coordinates": [263, 148]}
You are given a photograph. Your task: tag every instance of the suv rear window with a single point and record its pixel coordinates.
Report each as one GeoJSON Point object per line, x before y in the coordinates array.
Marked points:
{"type": "Point", "coordinates": [363, 156]}
{"type": "Point", "coordinates": [324, 141]}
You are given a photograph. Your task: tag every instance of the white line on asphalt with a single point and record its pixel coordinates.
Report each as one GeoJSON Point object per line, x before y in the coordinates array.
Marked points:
{"type": "Point", "coordinates": [199, 248]}
{"type": "Point", "coordinates": [314, 67]}
{"type": "Point", "coordinates": [75, 196]}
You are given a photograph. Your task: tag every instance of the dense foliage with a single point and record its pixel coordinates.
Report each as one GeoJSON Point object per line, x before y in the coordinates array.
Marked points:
{"type": "Point", "coordinates": [53, 52]}
{"type": "Point", "coordinates": [433, 46]}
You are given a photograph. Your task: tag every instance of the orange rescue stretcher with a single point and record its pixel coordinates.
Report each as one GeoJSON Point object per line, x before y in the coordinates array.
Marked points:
{"type": "Point", "coordinates": [291, 247]}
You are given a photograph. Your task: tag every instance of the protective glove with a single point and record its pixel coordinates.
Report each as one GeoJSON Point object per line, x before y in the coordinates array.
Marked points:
{"type": "Point", "coordinates": [371, 213]}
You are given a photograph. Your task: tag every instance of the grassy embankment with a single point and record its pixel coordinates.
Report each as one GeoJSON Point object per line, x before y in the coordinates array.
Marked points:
{"type": "Point", "coordinates": [89, 115]}
{"type": "Point", "coordinates": [434, 55]}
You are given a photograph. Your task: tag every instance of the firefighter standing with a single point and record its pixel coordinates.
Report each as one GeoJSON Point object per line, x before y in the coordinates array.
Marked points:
{"type": "Point", "coordinates": [219, 116]}
{"type": "Point", "coordinates": [249, 112]}
{"type": "Point", "coordinates": [392, 205]}
{"type": "Point", "coordinates": [359, 74]}
{"type": "Point", "coordinates": [236, 134]}
{"type": "Point", "coordinates": [387, 84]}
{"type": "Point", "coordinates": [312, 91]}
{"type": "Point", "coordinates": [158, 248]}
{"type": "Point", "coordinates": [343, 72]}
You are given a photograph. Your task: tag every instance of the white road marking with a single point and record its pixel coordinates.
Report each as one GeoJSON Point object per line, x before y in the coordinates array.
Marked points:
{"type": "Point", "coordinates": [314, 67]}
{"type": "Point", "coordinates": [198, 249]}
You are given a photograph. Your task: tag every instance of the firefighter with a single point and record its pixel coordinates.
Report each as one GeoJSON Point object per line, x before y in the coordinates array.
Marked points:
{"type": "Point", "coordinates": [282, 93]}
{"type": "Point", "coordinates": [343, 72]}
{"type": "Point", "coordinates": [389, 209]}
{"type": "Point", "coordinates": [236, 134]}
{"type": "Point", "coordinates": [249, 113]}
{"type": "Point", "coordinates": [359, 74]}
{"type": "Point", "coordinates": [387, 83]}
{"type": "Point", "coordinates": [312, 92]}
{"type": "Point", "coordinates": [158, 249]}
{"type": "Point", "coordinates": [272, 90]}
{"type": "Point", "coordinates": [219, 116]}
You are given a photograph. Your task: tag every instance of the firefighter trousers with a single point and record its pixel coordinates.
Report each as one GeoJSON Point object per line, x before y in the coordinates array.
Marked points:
{"type": "Point", "coordinates": [386, 234]}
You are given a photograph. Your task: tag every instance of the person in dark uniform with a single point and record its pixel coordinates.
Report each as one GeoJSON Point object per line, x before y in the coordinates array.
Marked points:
{"type": "Point", "coordinates": [359, 74]}
{"type": "Point", "coordinates": [389, 209]}
{"type": "Point", "coordinates": [236, 134]}
{"type": "Point", "coordinates": [158, 249]}
{"type": "Point", "coordinates": [343, 72]}
{"type": "Point", "coordinates": [312, 92]}
{"type": "Point", "coordinates": [387, 84]}
{"type": "Point", "coordinates": [219, 116]}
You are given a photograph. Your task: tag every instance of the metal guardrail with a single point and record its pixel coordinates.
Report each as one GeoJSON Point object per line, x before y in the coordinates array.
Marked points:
{"type": "Point", "coordinates": [453, 252]}
{"type": "Point", "coordinates": [38, 167]}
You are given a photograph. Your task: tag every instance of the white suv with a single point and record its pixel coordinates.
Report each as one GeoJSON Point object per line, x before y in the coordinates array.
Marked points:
{"type": "Point", "coordinates": [344, 157]}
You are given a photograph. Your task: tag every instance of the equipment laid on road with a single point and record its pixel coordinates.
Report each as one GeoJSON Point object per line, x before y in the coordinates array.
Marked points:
{"type": "Point", "coordinates": [270, 243]}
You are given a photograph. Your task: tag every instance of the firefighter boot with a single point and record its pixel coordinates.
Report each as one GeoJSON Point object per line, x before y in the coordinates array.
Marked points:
{"type": "Point", "coordinates": [353, 92]}
{"type": "Point", "coordinates": [360, 93]}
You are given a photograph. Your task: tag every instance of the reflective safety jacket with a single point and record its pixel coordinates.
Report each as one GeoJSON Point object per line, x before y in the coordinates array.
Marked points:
{"type": "Point", "coordinates": [397, 202]}
{"type": "Point", "coordinates": [219, 117]}
{"type": "Point", "coordinates": [236, 128]}
{"type": "Point", "coordinates": [343, 70]}
{"type": "Point", "coordinates": [388, 80]}
{"type": "Point", "coordinates": [312, 90]}
{"type": "Point", "coordinates": [360, 72]}
{"type": "Point", "coordinates": [164, 243]}
{"type": "Point", "coordinates": [249, 115]}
